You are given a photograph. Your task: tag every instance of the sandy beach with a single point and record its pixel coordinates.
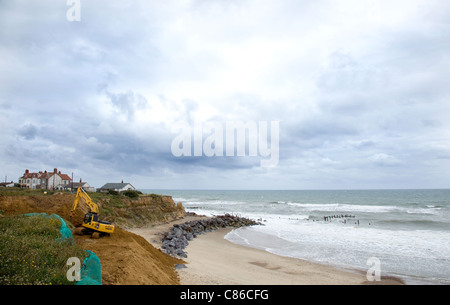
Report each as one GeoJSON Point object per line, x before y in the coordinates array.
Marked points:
{"type": "Point", "coordinates": [213, 260]}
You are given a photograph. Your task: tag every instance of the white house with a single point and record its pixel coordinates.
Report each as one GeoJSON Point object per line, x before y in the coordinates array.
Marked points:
{"type": "Point", "coordinates": [44, 180]}
{"type": "Point", "coordinates": [30, 180]}
{"type": "Point", "coordinates": [7, 184]}
{"type": "Point", "coordinates": [118, 187]}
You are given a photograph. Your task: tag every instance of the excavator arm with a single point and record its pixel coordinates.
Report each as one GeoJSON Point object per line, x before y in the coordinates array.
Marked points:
{"type": "Point", "coordinates": [81, 194]}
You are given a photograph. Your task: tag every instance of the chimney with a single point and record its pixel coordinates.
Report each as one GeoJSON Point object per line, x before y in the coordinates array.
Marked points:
{"type": "Point", "coordinates": [27, 171]}
{"type": "Point", "coordinates": [122, 181]}
{"type": "Point", "coordinates": [55, 170]}
{"type": "Point", "coordinates": [80, 180]}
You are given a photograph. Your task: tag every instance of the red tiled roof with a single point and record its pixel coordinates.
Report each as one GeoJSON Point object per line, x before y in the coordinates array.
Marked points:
{"type": "Point", "coordinates": [44, 175]}
{"type": "Point", "coordinates": [30, 175]}
{"type": "Point", "coordinates": [65, 177]}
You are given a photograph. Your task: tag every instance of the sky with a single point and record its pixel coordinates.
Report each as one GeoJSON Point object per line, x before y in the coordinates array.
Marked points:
{"type": "Point", "coordinates": [103, 90]}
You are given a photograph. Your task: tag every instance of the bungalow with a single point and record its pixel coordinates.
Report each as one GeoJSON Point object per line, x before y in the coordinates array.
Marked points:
{"type": "Point", "coordinates": [118, 187]}
{"type": "Point", "coordinates": [7, 184]}
{"type": "Point", "coordinates": [82, 184]}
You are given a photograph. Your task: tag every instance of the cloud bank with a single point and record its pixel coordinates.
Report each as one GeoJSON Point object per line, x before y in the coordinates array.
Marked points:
{"type": "Point", "coordinates": [360, 90]}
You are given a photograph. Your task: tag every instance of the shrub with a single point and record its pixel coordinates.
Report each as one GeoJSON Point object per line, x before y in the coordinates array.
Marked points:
{"type": "Point", "coordinates": [132, 193]}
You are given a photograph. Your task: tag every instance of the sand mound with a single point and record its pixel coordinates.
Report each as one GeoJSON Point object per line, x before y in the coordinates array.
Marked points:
{"type": "Point", "coordinates": [128, 259]}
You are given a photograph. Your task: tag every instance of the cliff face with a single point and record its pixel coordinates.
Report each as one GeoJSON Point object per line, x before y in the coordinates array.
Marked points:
{"type": "Point", "coordinates": [120, 210]}
{"type": "Point", "coordinates": [147, 209]}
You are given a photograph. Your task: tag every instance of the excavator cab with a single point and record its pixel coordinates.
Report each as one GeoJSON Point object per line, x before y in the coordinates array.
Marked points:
{"type": "Point", "coordinates": [91, 217]}
{"type": "Point", "coordinates": [87, 218]}
{"type": "Point", "coordinates": [91, 222]}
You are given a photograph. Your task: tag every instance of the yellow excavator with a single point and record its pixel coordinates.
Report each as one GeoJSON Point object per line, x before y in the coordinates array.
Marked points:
{"type": "Point", "coordinates": [91, 224]}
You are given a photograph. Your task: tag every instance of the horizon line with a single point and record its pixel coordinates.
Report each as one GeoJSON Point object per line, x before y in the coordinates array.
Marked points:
{"type": "Point", "coordinates": [362, 189]}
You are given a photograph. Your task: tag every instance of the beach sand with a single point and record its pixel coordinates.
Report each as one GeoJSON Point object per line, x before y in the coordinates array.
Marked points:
{"type": "Point", "coordinates": [213, 260]}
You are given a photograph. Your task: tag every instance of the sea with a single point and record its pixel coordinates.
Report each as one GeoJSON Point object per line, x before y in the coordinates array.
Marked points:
{"type": "Point", "coordinates": [407, 232]}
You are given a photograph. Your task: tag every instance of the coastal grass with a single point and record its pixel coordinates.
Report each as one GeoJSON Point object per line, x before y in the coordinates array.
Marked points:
{"type": "Point", "coordinates": [115, 201]}
{"type": "Point", "coordinates": [31, 252]}
{"type": "Point", "coordinates": [19, 191]}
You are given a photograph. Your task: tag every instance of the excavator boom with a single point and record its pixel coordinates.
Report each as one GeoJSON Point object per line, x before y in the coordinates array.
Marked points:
{"type": "Point", "coordinates": [81, 194]}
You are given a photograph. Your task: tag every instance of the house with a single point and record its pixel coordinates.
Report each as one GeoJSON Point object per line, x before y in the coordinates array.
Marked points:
{"type": "Point", "coordinates": [7, 184]}
{"type": "Point", "coordinates": [118, 187]}
{"type": "Point", "coordinates": [45, 180]}
{"type": "Point", "coordinates": [82, 184]}
{"type": "Point", "coordinates": [30, 180]}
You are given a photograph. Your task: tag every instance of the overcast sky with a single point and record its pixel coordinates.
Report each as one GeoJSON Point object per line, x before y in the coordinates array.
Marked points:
{"type": "Point", "coordinates": [360, 88]}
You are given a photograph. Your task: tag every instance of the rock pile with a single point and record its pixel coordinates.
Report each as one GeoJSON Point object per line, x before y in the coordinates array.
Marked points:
{"type": "Point", "coordinates": [174, 241]}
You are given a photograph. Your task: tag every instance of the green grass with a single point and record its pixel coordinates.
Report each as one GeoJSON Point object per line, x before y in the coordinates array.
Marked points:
{"type": "Point", "coordinates": [18, 191]}
{"type": "Point", "coordinates": [115, 201]}
{"type": "Point", "coordinates": [30, 253]}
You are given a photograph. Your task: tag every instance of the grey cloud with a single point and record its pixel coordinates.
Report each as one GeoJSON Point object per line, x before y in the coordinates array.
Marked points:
{"type": "Point", "coordinates": [377, 100]}
{"type": "Point", "coordinates": [28, 131]}
{"type": "Point", "coordinates": [383, 159]}
{"type": "Point", "coordinates": [128, 102]}
{"type": "Point", "coordinates": [361, 144]}
{"type": "Point", "coordinates": [189, 107]}
{"type": "Point", "coordinates": [325, 127]}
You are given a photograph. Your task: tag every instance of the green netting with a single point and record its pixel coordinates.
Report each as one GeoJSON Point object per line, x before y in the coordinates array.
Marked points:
{"type": "Point", "coordinates": [66, 234]}
{"type": "Point", "coordinates": [91, 272]}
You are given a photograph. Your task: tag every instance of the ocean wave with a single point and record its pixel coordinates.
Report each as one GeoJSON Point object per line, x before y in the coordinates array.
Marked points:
{"type": "Point", "coordinates": [338, 207]}
{"type": "Point", "coordinates": [418, 224]}
{"type": "Point", "coordinates": [183, 200]}
{"type": "Point", "coordinates": [437, 207]}
{"type": "Point", "coordinates": [216, 203]}
{"type": "Point", "coordinates": [423, 211]}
